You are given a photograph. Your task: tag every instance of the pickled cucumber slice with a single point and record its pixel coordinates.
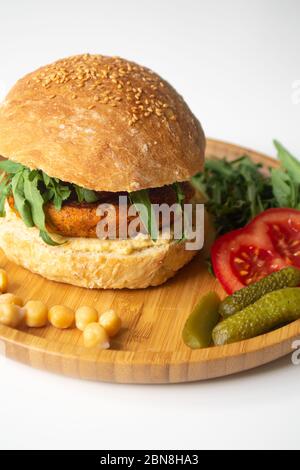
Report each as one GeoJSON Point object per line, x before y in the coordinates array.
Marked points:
{"type": "Point", "coordinates": [287, 277]}
{"type": "Point", "coordinates": [272, 310]}
{"type": "Point", "coordinates": [197, 331]}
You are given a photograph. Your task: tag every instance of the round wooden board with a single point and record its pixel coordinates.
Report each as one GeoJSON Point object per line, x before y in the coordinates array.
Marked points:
{"type": "Point", "coordinates": [149, 349]}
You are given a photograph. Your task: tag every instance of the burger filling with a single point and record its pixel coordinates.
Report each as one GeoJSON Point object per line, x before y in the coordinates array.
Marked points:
{"type": "Point", "coordinates": [54, 206]}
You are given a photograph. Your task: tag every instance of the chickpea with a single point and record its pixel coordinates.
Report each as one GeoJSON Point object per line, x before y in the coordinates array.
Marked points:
{"type": "Point", "coordinates": [36, 314]}
{"type": "Point", "coordinates": [111, 322]}
{"type": "Point", "coordinates": [85, 315]}
{"type": "Point", "coordinates": [11, 299]}
{"type": "Point", "coordinates": [61, 316]}
{"type": "Point", "coordinates": [11, 315]}
{"type": "Point", "coordinates": [95, 335]}
{"type": "Point", "coordinates": [3, 280]}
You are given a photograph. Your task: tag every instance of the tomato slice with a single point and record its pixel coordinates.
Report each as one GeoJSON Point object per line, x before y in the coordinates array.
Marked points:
{"type": "Point", "coordinates": [268, 243]}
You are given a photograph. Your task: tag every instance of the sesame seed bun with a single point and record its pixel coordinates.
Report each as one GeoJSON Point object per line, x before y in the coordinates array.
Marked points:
{"type": "Point", "coordinates": [103, 123]}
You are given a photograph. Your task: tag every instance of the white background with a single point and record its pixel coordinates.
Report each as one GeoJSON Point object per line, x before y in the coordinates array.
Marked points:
{"type": "Point", "coordinates": [236, 63]}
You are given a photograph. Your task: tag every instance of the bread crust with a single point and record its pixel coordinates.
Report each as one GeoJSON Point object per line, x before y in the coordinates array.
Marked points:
{"type": "Point", "coordinates": [92, 263]}
{"type": "Point", "coordinates": [103, 123]}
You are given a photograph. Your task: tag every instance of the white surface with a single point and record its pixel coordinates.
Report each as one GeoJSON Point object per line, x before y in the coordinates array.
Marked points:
{"type": "Point", "coordinates": [236, 63]}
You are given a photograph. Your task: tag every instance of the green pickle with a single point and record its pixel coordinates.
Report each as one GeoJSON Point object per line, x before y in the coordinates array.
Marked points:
{"type": "Point", "coordinates": [272, 310]}
{"type": "Point", "coordinates": [197, 331]}
{"type": "Point", "coordinates": [287, 277]}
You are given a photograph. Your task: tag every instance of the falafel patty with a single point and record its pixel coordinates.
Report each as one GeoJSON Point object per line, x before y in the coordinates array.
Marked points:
{"type": "Point", "coordinates": [80, 219]}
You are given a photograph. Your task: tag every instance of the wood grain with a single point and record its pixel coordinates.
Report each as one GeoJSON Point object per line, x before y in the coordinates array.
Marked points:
{"type": "Point", "coordinates": [149, 348]}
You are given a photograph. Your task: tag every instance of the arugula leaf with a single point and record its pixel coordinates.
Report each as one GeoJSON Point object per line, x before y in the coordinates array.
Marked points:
{"type": "Point", "coordinates": [47, 239]}
{"type": "Point", "coordinates": [46, 179]}
{"type": "Point", "coordinates": [141, 201]}
{"type": "Point", "coordinates": [235, 191]}
{"type": "Point", "coordinates": [22, 205]}
{"type": "Point", "coordinates": [90, 196]}
{"type": "Point", "coordinates": [288, 161]}
{"type": "Point", "coordinates": [179, 193]}
{"type": "Point", "coordinates": [281, 183]}
{"type": "Point", "coordinates": [10, 167]}
{"type": "Point", "coordinates": [4, 190]}
{"type": "Point", "coordinates": [85, 195]}
{"type": "Point", "coordinates": [35, 199]}
{"type": "Point", "coordinates": [36, 202]}
{"type": "Point", "coordinates": [31, 189]}
{"type": "Point", "coordinates": [79, 193]}
{"type": "Point", "coordinates": [58, 192]}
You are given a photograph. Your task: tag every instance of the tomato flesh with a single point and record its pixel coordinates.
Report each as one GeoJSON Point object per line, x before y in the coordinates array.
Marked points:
{"type": "Point", "coordinates": [250, 264]}
{"type": "Point", "coordinates": [286, 241]}
{"type": "Point", "coordinates": [267, 244]}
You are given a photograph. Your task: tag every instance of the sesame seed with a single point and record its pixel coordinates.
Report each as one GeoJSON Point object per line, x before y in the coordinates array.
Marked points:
{"type": "Point", "coordinates": [113, 80]}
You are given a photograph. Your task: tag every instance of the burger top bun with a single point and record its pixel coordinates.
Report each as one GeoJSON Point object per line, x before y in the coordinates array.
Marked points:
{"type": "Point", "coordinates": [103, 123]}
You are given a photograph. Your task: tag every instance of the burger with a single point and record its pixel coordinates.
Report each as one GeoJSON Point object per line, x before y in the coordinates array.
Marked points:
{"type": "Point", "coordinates": [82, 132]}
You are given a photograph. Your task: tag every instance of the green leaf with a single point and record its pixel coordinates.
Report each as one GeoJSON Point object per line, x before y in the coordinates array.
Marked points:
{"type": "Point", "coordinates": [4, 190]}
{"type": "Point", "coordinates": [79, 193]}
{"type": "Point", "coordinates": [288, 161]}
{"type": "Point", "coordinates": [86, 195]}
{"type": "Point", "coordinates": [47, 179]}
{"type": "Point", "coordinates": [22, 205]}
{"type": "Point", "coordinates": [197, 183]}
{"type": "Point", "coordinates": [47, 239]}
{"type": "Point", "coordinates": [235, 191]}
{"type": "Point", "coordinates": [35, 199]}
{"type": "Point", "coordinates": [2, 205]}
{"type": "Point", "coordinates": [36, 202]}
{"type": "Point", "coordinates": [32, 189]}
{"type": "Point", "coordinates": [57, 201]}
{"type": "Point", "coordinates": [142, 203]}
{"type": "Point", "coordinates": [281, 183]}
{"type": "Point", "coordinates": [222, 167]}
{"type": "Point", "coordinates": [90, 196]}
{"type": "Point", "coordinates": [60, 194]}
{"type": "Point", "coordinates": [179, 193]}
{"type": "Point", "coordinates": [10, 167]}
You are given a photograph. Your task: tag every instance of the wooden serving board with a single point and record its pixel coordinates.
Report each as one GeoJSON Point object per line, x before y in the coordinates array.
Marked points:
{"type": "Point", "coordinates": [149, 349]}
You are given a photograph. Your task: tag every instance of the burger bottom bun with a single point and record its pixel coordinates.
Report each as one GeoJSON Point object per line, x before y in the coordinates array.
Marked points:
{"type": "Point", "coordinates": [93, 263]}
